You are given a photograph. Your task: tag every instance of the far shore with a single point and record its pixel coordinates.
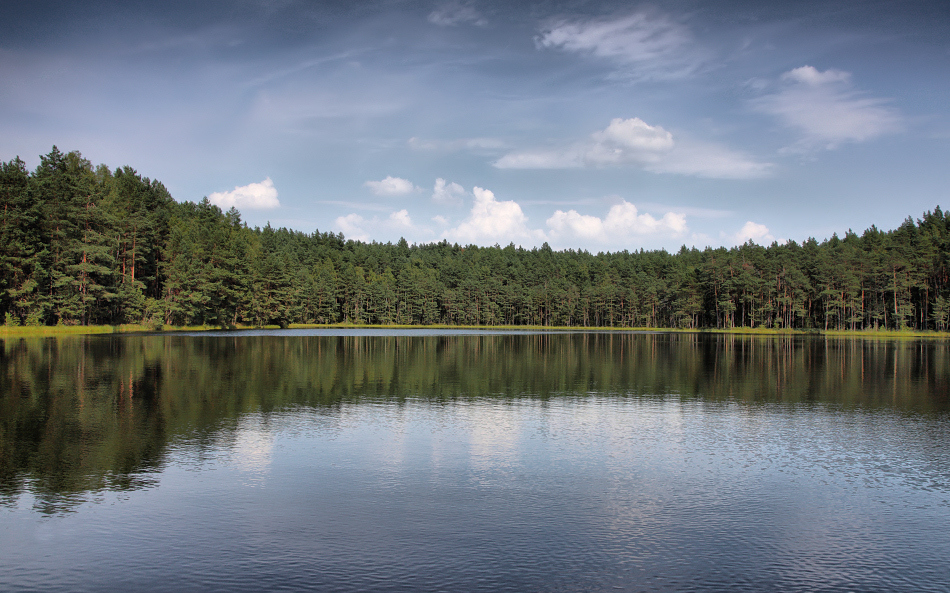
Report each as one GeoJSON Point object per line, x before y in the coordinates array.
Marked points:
{"type": "Point", "coordinates": [70, 330]}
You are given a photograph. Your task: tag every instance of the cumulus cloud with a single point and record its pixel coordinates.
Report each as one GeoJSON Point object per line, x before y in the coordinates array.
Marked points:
{"type": "Point", "coordinates": [355, 227]}
{"type": "Point", "coordinates": [624, 141]}
{"type": "Point", "coordinates": [755, 232]}
{"type": "Point", "coordinates": [491, 221]}
{"type": "Point", "coordinates": [633, 142]}
{"type": "Point", "coordinates": [253, 196]}
{"type": "Point", "coordinates": [451, 14]}
{"type": "Point", "coordinates": [634, 134]}
{"type": "Point", "coordinates": [352, 227]}
{"type": "Point", "coordinates": [391, 186]}
{"type": "Point", "coordinates": [648, 45]}
{"type": "Point", "coordinates": [827, 109]}
{"type": "Point", "coordinates": [401, 218]}
{"type": "Point", "coordinates": [623, 223]}
{"type": "Point", "coordinates": [447, 193]}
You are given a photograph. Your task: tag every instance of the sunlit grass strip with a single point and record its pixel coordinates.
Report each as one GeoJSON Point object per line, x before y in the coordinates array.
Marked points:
{"type": "Point", "coordinates": [887, 333]}
{"type": "Point", "coordinates": [477, 327]}
{"type": "Point", "coordinates": [68, 330]}
{"type": "Point", "coordinates": [736, 330]}
{"type": "Point", "coordinates": [42, 331]}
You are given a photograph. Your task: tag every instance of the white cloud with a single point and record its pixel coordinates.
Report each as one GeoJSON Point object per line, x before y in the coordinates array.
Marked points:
{"type": "Point", "coordinates": [634, 134]}
{"type": "Point", "coordinates": [811, 76]}
{"type": "Point", "coordinates": [827, 110]}
{"type": "Point", "coordinates": [649, 45]}
{"type": "Point", "coordinates": [447, 193]}
{"type": "Point", "coordinates": [622, 224]}
{"type": "Point", "coordinates": [401, 219]}
{"type": "Point", "coordinates": [755, 232]}
{"type": "Point", "coordinates": [355, 227]}
{"type": "Point", "coordinates": [624, 141]}
{"type": "Point", "coordinates": [391, 186]}
{"type": "Point", "coordinates": [633, 142]}
{"type": "Point", "coordinates": [491, 221]}
{"type": "Point", "coordinates": [569, 158]}
{"type": "Point", "coordinates": [455, 13]}
{"type": "Point", "coordinates": [691, 211]}
{"type": "Point", "coordinates": [253, 196]}
{"type": "Point", "coordinates": [351, 226]}
{"type": "Point", "coordinates": [703, 159]}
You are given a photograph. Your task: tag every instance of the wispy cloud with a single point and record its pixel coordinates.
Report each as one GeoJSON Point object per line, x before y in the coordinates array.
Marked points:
{"type": "Point", "coordinates": [451, 14]}
{"type": "Point", "coordinates": [300, 103]}
{"type": "Point", "coordinates": [253, 196]}
{"type": "Point", "coordinates": [647, 45]}
{"type": "Point", "coordinates": [633, 142]}
{"type": "Point", "coordinates": [301, 66]}
{"type": "Point", "coordinates": [710, 160]}
{"type": "Point", "coordinates": [827, 109]}
{"type": "Point", "coordinates": [490, 145]}
{"type": "Point", "coordinates": [391, 186]}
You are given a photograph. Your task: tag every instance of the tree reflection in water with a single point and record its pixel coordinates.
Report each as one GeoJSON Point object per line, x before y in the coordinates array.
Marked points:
{"type": "Point", "coordinates": [79, 415]}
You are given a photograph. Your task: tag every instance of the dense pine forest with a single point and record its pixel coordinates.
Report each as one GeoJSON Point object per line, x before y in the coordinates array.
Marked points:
{"type": "Point", "coordinates": [87, 245]}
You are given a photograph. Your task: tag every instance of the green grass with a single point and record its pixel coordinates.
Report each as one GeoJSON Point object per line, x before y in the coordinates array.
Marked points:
{"type": "Point", "coordinates": [888, 333]}
{"type": "Point", "coordinates": [22, 331]}
{"type": "Point", "coordinates": [42, 331]}
{"type": "Point", "coordinates": [68, 330]}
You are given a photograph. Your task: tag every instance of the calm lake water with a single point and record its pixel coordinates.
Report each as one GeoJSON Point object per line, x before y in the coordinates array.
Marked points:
{"type": "Point", "coordinates": [473, 461]}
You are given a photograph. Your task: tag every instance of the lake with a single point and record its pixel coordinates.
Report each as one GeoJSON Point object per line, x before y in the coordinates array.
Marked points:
{"type": "Point", "coordinates": [440, 460]}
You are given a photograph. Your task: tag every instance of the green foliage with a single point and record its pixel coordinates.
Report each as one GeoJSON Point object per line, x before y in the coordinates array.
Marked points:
{"type": "Point", "coordinates": [84, 245]}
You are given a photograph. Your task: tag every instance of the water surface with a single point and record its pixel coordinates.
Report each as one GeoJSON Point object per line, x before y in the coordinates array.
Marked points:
{"type": "Point", "coordinates": [473, 461]}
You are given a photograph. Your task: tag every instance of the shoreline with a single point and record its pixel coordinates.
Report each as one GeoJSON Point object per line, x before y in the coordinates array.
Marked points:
{"type": "Point", "coordinates": [75, 330]}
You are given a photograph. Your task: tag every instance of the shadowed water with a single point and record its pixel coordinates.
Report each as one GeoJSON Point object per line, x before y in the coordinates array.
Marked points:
{"type": "Point", "coordinates": [474, 461]}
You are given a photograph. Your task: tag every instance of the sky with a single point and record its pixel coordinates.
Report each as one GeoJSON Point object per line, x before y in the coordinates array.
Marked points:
{"type": "Point", "coordinates": [595, 125]}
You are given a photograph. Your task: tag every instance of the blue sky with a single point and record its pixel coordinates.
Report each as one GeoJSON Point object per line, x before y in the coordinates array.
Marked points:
{"type": "Point", "coordinates": [591, 125]}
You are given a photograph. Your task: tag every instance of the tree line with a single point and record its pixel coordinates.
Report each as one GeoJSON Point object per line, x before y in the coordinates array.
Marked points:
{"type": "Point", "coordinates": [88, 245]}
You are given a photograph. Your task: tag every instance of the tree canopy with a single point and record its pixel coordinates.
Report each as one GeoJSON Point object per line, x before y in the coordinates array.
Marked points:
{"type": "Point", "coordinates": [88, 245]}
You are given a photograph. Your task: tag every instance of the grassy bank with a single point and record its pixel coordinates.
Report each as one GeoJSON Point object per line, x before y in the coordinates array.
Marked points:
{"type": "Point", "coordinates": [68, 330]}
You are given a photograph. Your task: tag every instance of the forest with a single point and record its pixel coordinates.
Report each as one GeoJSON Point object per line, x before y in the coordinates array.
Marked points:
{"type": "Point", "coordinates": [85, 245]}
